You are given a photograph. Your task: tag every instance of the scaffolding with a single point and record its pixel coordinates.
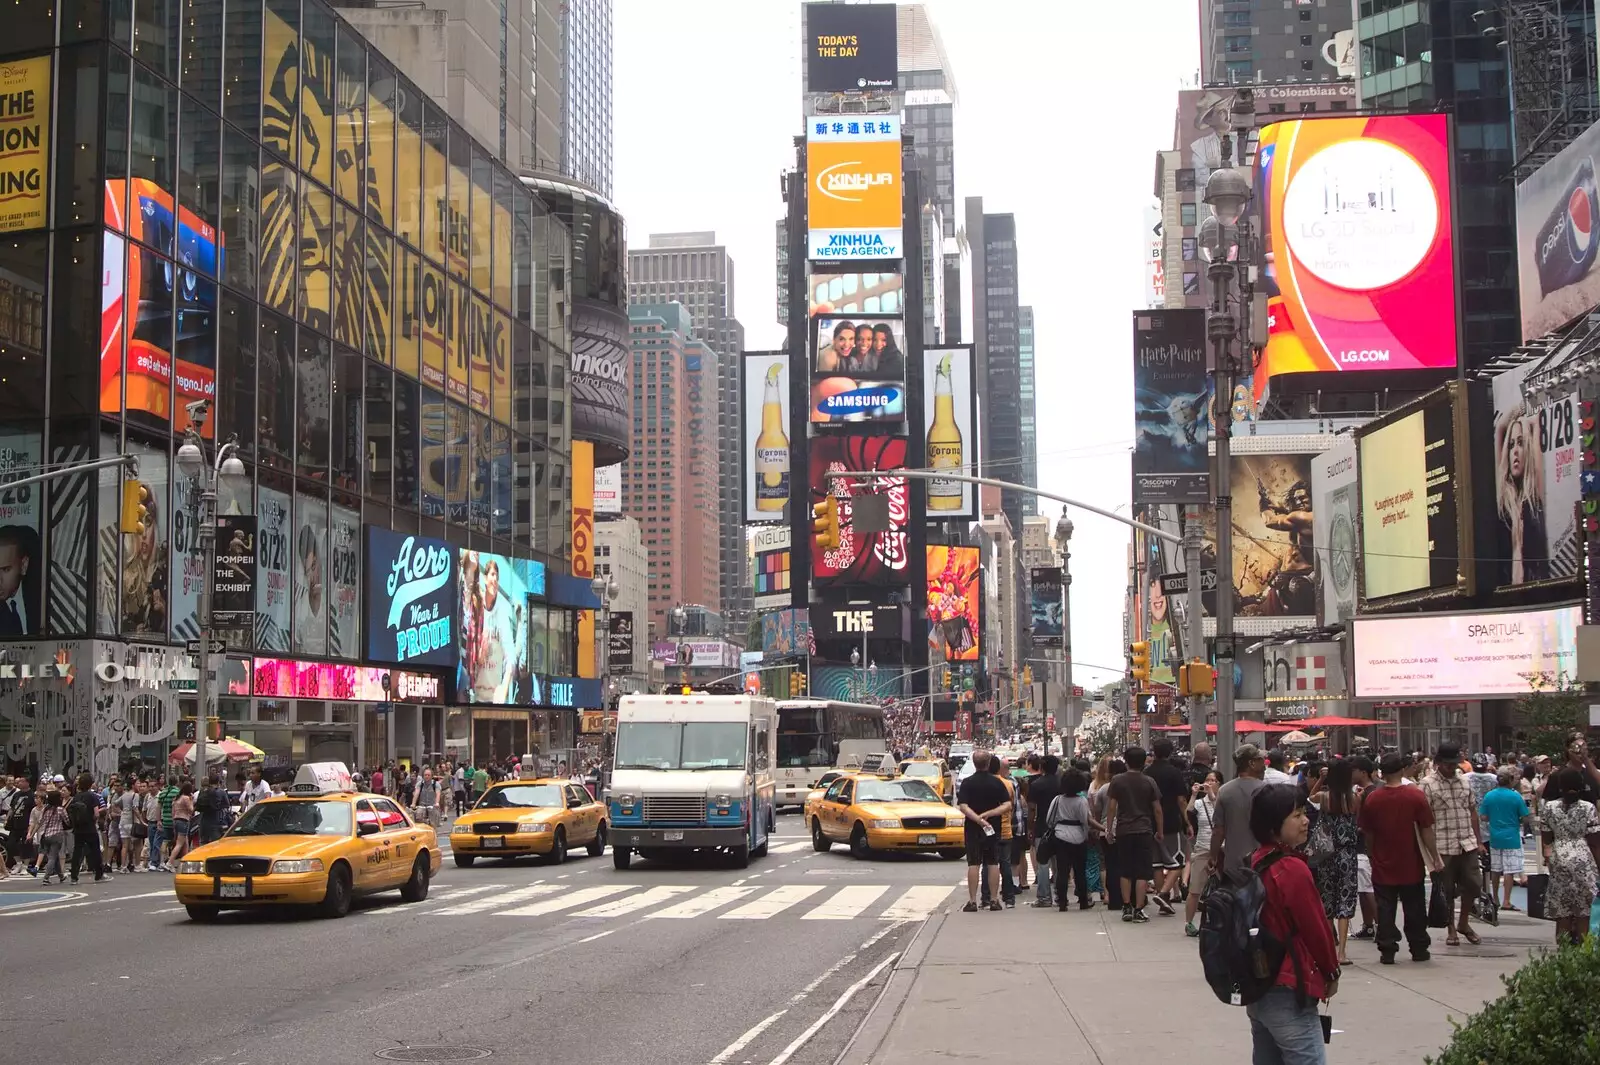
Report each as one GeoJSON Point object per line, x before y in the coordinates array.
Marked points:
{"type": "Point", "coordinates": [1555, 83]}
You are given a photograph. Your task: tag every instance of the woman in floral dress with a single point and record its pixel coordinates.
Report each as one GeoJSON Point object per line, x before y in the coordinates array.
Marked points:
{"type": "Point", "coordinates": [1335, 796]}
{"type": "Point", "coordinates": [1572, 827]}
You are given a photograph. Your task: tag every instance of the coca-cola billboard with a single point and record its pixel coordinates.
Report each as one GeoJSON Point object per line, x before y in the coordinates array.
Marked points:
{"type": "Point", "coordinates": [879, 558]}
{"type": "Point", "coordinates": [602, 392]}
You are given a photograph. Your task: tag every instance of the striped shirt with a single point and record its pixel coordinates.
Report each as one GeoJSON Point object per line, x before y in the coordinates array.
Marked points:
{"type": "Point", "coordinates": [167, 797]}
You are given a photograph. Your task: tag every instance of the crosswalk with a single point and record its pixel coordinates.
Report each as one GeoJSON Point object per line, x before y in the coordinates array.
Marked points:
{"type": "Point", "coordinates": [728, 902]}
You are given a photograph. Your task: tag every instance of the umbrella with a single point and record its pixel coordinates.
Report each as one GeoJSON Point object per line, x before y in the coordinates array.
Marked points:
{"type": "Point", "coordinates": [1294, 737]}
{"type": "Point", "coordinates": [1238, 726]}
{"type": "Point", "coordinates": [1335, 722]}
{"type": "Point", "coordinates": [228, 750]}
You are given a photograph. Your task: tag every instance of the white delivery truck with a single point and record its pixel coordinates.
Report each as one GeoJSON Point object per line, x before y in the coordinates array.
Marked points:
{"type": "Point", "coordinates": [693, 773]}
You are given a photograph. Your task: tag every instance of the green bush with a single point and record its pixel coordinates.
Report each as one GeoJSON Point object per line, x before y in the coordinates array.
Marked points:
{"type": "Point", "coordinates": [1548, 1014]}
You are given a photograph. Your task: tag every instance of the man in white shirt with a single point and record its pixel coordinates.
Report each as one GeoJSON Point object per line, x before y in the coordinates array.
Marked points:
{"type": "Point", "coordinates": [254, 790]}
{"type": "Point", "coordinates": [1277, 759]}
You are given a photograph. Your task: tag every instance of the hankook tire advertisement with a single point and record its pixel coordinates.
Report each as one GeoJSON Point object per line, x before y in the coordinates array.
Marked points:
{"type": "Point", "coordinates": [602, 394]}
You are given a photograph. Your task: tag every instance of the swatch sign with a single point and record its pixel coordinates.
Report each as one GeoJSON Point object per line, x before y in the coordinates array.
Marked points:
{"type": "Point", "coordinates": [411, 598]}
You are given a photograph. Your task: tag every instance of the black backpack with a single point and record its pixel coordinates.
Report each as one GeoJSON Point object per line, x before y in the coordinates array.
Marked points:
{"type": "Point", "coordinates": [1241, 957]}
{"type": "Point", "coordinates": [80, 814]}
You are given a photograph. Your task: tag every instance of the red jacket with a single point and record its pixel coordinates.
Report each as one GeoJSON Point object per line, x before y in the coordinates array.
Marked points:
{"type": "Point", "coordinates": [1295, 915]}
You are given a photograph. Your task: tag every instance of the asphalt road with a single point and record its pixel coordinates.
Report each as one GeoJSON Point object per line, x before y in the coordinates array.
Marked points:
{"type": "Point", "coordinates": [691, 962]}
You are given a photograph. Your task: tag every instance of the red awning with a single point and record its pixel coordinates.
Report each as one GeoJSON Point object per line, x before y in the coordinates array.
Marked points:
{"type": "Point", "coordinates": [1335, 722]}
{"type": "Point", "coordinates": [1239, 726]}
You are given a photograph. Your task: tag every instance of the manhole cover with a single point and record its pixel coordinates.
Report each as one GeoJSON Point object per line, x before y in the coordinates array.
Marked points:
{"type": "Point", "coordinates": [433, 1053]}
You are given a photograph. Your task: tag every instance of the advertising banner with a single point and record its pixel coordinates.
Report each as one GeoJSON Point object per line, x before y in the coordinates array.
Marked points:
{"type": "Point", "coordinates": [493, 663]}
{"type": "Point", "coordinates": [948, 411]}
{"type": "Point", "coordinates": [273, 553]}
{"type": "Point", "coordinates": [1558, 208]}
{"type": "Point", "coordinates": [24, 185]}
{"type": "Point", "coordinates": [769, 565]}
{"type": "Point", "coordinates": [311, 576]}
{"type": "Point", "coordinates": [411, 596]}
{"type": "Point", "coordinates": [1333, 494]}
{"type": "Point", "coordinates": [286, 678]}
{"type": "Point", "coordinates": [853, 169]}
{"type": "Point", "coordinates": [880, 558]}
{"type": "Point", "coordinates": [955, 589]}
{"type": "Point", "coordinates": [1360, 265]}
{"type": "Point", "coordinates": [186, 569]}
{"type": "Point", "coordinates": [1045, 606]}
{"type": "Point", "coordinates": [1303, 672]}
{"type": "Point", "coordinates": [1172, 407]}
{"type": "Point", "coordinates": [1155, 272]}
{"type": "Point", "coordinates": [583, 544]}
{"type": "Point", "coordinates": [1536, 483]}
{"type": "Point", "coordinates": [844, 622]}
{"type": "Point", "coordinates": [1442, 656]}
{"type": "Point", "coordinates": [765, 452]}
{"type": "Point", "coordinates": [608, 489]}
{"type": "Point", "coordinates": [784, 634]}
{"type": "Point", "coordinates": [21, 564]}
{"type": "Point", "coordinates": [619, 650]}
{"type": "Point", "coordinates": [344, 579]}
{"type": "Point", "coordinates": [712, 653]}
{"type": "Point", "coordinates": [601, 377]}
{"type": "Point", "coordinates": [1409, 487]}
{"type": "Point", "coordinates": [1274, 546]}
{"type": "Point", "coordinates": [858, 370]}
{"type": "Point", "coordinates": [233, 588]}
{"type": "Point", "coordinates": [851, 47]}
{"type": "Point", "coordinates": [857, 293]}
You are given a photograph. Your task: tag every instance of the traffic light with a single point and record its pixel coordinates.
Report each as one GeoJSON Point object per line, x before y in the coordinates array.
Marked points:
{"type": "Point", "coordinates": [1139, 651]}
{"type": "Point", "coordinates": [1197, 678]}
{"type": "Point", "coordinates": [794, 685]}
{"type": "Point", "coordinates": [825, 523]}
{"type": "Point", "coordinates": [688, 690]}
{"type": "Point", "coordinates": [801, 677]}
{"type": "Point", "coordinates": [944, 679]}
{"type": "Point", "coordinates": [138, 507]}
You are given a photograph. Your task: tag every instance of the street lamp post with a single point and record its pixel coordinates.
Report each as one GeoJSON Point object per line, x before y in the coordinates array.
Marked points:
{"type": "Point", "coordinates": [679, 620]}
{"type": "Point", "coordinates": [1063, 545]}
{"type": "Point", "coordinates": [605, 589]}
{"type": "Point", "coordinates": [205, 476]}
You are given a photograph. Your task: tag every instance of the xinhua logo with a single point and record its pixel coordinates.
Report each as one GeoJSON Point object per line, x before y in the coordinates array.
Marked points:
{"type": "Point", "coordinates": [835, 185]}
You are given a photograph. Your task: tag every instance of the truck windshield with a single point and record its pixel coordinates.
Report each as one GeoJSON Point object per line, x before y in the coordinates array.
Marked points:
{"type": "Point", "coordinates": [689, 745]}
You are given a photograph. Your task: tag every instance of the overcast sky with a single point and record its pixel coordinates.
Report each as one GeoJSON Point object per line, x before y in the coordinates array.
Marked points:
{"type": "Point", "coordinates": [1062, 107]}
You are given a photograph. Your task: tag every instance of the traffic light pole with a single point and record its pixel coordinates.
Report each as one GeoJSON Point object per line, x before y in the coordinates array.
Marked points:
{"type": "Point", "coordinates": [1195, 637]}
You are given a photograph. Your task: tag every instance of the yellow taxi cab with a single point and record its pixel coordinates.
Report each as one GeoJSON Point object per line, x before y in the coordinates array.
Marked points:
{"type": "Point", "coordinates": [932, 772]}
{"type": "Point", "coordinates": [814, 796]}
{"type": "Point", "coordinates": [873, 814]}
{"type": "Point", "coordinates": [319, 844]}
{"type": "Point", "coordinates": [532, 815]}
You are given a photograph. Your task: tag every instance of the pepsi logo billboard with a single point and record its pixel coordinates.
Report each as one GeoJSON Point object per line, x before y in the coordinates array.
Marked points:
{"type": "Point", "coordinates": [1558, 207]}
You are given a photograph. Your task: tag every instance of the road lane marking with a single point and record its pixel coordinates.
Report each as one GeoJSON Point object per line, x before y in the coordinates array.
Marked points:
{"type": "Point", "coordinates": [916, 904]}
{"type": "Point", "coordinates": [52, 907]}
{"type": "Point", "coordinates": [785, 848]}
{"type": "Point", "coordinates": [832, 1011]}
{"type": "Point", "coordinates": [597, 935]}
{"type": "Point", "coordinates": [701, 904]}
{"type": "Point", "coordinates": [495, 901]}
{"type": "Point", "coordinates": [448, 896]}
{"type": "Point", "coordinates": [774, 902]}
{"type": "Point", "coordinates": [746, 1039]}
{"type": "Point", "coordinates": [564, 902]}
{"type": "Point", "coordinates": [847, 903]}
{"type": "Point", "coordinates": [827, 974]}
{"type": "Point", "coordinates": [640, 901]}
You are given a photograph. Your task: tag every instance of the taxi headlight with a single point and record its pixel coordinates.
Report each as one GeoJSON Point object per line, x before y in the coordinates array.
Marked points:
{"type": "Point", "coordinates": [954, 822]}
{"type": "Point", "coordinates": [191, 868]}
{"type": "Point", "coordinates": [886, 822]}
{"type": "Point", "coordinates": [297, 865]}
{"type": "Point", "coordinates": [463, 830]}
{"type": "Point", "coordinates": [534, 826]}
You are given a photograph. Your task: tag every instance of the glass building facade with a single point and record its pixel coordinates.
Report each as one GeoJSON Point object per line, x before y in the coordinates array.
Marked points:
{"type": "Point", "coordinates": [272, 220]}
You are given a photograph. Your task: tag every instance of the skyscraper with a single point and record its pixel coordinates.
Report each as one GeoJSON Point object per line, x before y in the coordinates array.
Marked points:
{"type": "Point", "coordinates": [1028, 410]}
{"type": "Point", "coordinates": [586, 92]}
{"type": "Point", "coordinates": [997, 350]}
{"type": "Point", "coordinates": [930, 104]}
{"type": "Point", "coordinates": [696, 271]}
{"type": "Point", "coordinates": [1242, 43]}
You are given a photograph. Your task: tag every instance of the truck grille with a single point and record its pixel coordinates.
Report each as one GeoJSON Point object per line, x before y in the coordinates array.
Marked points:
{"type": "Point", "coordinates": [674, 808]}
{"type": "Point", "coordinates": [923, 822]}
{"type": "Point", "coordinates": [493, 828]}
{"type": "Point", "coordinates": [238, 866]}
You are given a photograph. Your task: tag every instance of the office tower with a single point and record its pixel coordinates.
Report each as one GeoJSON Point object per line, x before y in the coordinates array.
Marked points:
{"type": "Point", "coordinates": [1028, 409]}
{"type": "Point", "coordinates": [696, 271]}
{"type": "Point", "coordinates": [620, 554]}
{"type": "Point", "coordinates": [669, 482]}
{"type": "Point", "coordinates": [997, 353]}
{"type": "Point", "coordinates": [930, 104]}
{"type": "Point", "coordinates": [1241, 43]}
{"type": "Point", "coordinates": [586, 93]}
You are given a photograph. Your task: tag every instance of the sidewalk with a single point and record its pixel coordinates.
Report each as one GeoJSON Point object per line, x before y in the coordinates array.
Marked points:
{"type": "Point", "coordinates": [1090, 989]}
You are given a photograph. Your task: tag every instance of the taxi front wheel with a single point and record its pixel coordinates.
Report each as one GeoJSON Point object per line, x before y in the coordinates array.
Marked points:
{"type": "Point", "coordinates": [465, 861]}
{"type": "Point", "coordinates": [203, 914]}
{"type": "Point", "coordinates": [558, 847]}
{"type": "Point", "coordinates": [597, 846]}
{"type": "Point", "coordinates": [415, 889]}
{"type": "Point", "coordinates": [336, 901]}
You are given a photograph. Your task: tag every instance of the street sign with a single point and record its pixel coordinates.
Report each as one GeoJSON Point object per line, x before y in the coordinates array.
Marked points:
{"type": "Point", "coordinates": [217, 647]}
{"type": "Point", "coordinates": [1178, 583]}
{"type": "Point", "coordinates": [1146, 702]}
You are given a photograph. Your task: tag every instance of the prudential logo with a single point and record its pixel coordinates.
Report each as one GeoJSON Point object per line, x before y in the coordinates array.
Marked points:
{"type": "Point", "coordinates": [838, 181]}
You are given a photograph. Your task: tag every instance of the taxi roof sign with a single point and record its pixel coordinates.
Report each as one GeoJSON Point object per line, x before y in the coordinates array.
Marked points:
{"type": "Point", "coordinates": [528, 768]}
{"type": "Point", "coordinates": [321, 778]}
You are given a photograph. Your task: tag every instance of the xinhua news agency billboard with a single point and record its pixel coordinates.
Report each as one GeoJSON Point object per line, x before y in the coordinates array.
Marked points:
{"type": "Point", "coordinates": [1360, 264]}
{"type": "Point", "coordinates": [853, 175]}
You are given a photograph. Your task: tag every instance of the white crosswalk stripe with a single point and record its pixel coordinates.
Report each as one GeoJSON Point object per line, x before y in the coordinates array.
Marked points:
{"type": "Point", "coordinates": [785, 848]}
{"type": "Point", "coordinates": [917, 903]}
{"type": "Point", "coordinates": [633, 903]}
{"type": "Point", "coordinates": [565, 902]}
{"type": "Point", "coordinates": [773, 902]}
{"type": "Point", "coordinates": [847, 904]}
{"type": "Point", "coordinates": [496, 901]}
{"type": "Point", "coordinates": [746, 902]}
{"type": "Point", "coordinates": [702, 904]}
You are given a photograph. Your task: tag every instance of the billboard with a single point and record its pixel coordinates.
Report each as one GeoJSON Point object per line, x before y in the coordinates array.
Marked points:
{"type": "Point", "coordinates": [1172, 407]}
{"type": "Point", "coordinates": [1155, 270]}
{"type": "Point", "coordinates": [851, 47]}
{"type": "Point", "coordinates": [853, 176]}
{"type": "Point", "coordinates": [1410, 481]}
{"type": "Point", "coordinates": [583, 544]}
{"type": "Point", "coordinates": [949, 412]}
{"type": "Point", "coordinates": [1444, 656]}
{"type": "Point", "coordinates": [858, 370]}
{"type": "Point", "coordinates": [411, 597]}
{"type": "Point", "coordinates": [233, 589]}
{"type": "Point", "coordinates": [1334, 510]}
{"type": "Point", "coordinates": [1360, 264]}
{"type": "Point", "coordinates": [856, 292]}
{"type": "Point", "coordinates": [764, 451]}
{"type": "Point", "coordinates": [786, 633]}
{"type": "Point", "coordinates": [310, 568]}
{"type": "Point", "coordinates": [1045, 606]}
{"type": "Point", "coordinates": [1537, 474]}
{"type": "Point", "coordinates": [880, 558]}
{"type": "Point", "coordinates": [608, 489]}
{"type": "Point", "coordinates": [492, 667]}
{"type": "Point", "coordinates": [1274, 546]}
{"type": "Point", "coordinates": [601, 379]}
{"type": "Point", "coordinates": [21, 563]}
{"type": "Point", "coordinates": [619, 641]}
{"type": "Point", "coordinates": [835, 621]}
{"type": "Point", "coordinates": [710, 654]}
{"type": "Point", "coordinates": [25, 134]}
{"type": "Point", "coordinates": [344, 582]}
{"type": "Point", "coordinates": [770, 565]}
{"type": "Point", "coordinates": [274, 554]}
{"type": "Point", "coordinates": [955, 588]}
{"type": "Point", "coordinates": [1558, 207]}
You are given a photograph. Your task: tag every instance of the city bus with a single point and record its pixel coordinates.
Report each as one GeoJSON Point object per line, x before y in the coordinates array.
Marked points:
{"type": "Point", "coordinates": [816, 735]}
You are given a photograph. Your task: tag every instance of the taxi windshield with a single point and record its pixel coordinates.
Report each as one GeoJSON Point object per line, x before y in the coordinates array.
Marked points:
{"type": "Point", "coordinates": [295, 817]}
{"type": "Point", "coordinates": [894, 791]}
{"type": "Point", "coordinates": [921, 769]}
{"type": "Point", "coordinates": [521, 795]}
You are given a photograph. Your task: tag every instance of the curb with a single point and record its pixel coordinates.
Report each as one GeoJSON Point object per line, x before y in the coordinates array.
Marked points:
{"type": "Point", "coordinates": [874, 1028]}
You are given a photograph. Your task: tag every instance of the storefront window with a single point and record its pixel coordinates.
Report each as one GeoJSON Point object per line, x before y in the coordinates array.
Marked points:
{"type": "Point", "coordinates": [407, 433]}
{"type": "Point", "coordinates": [561, 634]}
{"type": "Point", "coordinates": [307, 710]}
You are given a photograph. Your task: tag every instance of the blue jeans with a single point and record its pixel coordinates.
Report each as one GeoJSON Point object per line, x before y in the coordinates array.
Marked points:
{"type": "Point", "coordinates": [1282, 1032]}
{"type": "Point", "coordinates": [1041, 878]}
{"type": "Point", "coordinates": [153, 858]}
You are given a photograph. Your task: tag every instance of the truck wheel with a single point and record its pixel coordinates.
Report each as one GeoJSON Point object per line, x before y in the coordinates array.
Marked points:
{"type": "Point", "coordinates": [819, 842]}
{"type": "Point", "coordinates": [621, 856]}
{"type": "Point", "coordinates": [760, 849]}
{"type": "Point", "coordinates": [740, 856]}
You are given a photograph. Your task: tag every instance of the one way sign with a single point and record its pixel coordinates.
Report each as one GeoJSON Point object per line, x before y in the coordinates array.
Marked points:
{"type": "Point", "coordinates": [1178, 583]}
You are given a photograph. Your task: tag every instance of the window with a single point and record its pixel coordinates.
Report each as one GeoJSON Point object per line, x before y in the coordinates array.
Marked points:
{"type": "Point", "coordinates": [1190, 247]}
{"type": "Point", "coordinates": [1305, 16]}
{"type": "Point", "coordinates": [1191, 284]}
{"type": "Point", "coordinates": [1306, 64]}
{"type": "Point", "coordinates": [1186, 180]}
{"type": "Point", "coordinates": [1240, 70]}
{"type": "Point", "coordinates": [1187, 213]}
{"type": "Point", "coordinates": [315, 408]}
{"type": "Point", "coordinates": [1305, 40]}
{"type": "Point", "coordinates": [275, 395]}
{"type": "Point", "coordinates": [1236, 43]}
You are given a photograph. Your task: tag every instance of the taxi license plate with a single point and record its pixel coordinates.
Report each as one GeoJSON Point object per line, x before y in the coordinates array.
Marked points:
{"type": "Point", "coordinates": [494, 841]}
{"type": "Point", "coordinates": [927, 840]}
{"type": "Point", "coordinates": [672, 837]}
{"type": "Point", "coordinates": [231, 891]}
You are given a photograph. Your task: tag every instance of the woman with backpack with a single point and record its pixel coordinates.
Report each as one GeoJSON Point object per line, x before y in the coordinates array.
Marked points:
{"type": "Point", "coordinates": [1284, 1027]}
{"type": "Point", "coordinates": [1069, 822]}
{"type": "Point", "coordinates": [1336, 846]}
